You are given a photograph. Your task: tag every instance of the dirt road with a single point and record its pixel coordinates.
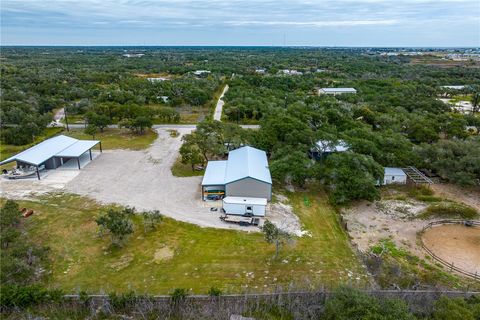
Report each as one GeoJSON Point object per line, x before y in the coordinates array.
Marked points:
{"type": "Point", "coordinates": [219, 108]}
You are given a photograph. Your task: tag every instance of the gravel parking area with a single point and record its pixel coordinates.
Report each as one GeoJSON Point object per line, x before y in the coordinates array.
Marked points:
{"type": "Point", "coordinates": [143, 179]}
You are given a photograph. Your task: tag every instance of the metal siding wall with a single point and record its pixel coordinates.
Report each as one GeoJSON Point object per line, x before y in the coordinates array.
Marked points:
{"type": "Point", "coordinates": [259, 210]}
{"type": "Point", "coordinates": [249, 188]}
{"type": "Point", "coordinates": [50, 163]}
{"type": "Point", "coordinates": [233, 208]}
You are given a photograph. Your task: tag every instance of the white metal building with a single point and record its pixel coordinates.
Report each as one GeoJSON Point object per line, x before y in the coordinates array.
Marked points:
{"type": "Point", "coordinates": [335, 91]}
{"type": "Point", "coordinates": [53, 153]}
{"type": "Point", "coordinates": [245, 206]}
{"type": "Point", "coordinates": [244, 174]}
{"type": "Point", "coordinates": [394, 176]}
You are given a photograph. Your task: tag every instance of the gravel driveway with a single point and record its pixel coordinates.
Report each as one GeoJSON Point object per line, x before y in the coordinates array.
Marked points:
{"type": "Point", "coordinates": [143, 179]}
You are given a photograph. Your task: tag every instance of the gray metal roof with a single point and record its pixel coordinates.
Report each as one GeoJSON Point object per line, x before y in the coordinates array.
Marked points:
{"type": "Point", "coordinates": [245, 162]}
{"type": "Point", "coordinates": [215, 173]}
{"type": "Point", "coordinates": [78, 148]}
{"type": "Point", "coordinates": [60, 146]}
{"type": "Point", "coordinates": [394, 172]}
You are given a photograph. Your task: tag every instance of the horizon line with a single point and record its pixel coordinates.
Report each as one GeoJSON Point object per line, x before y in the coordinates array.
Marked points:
{"type": "Point", "coordinates": [238, 46]}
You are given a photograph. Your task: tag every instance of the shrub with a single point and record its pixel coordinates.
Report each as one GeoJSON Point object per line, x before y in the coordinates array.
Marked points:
{"type": "Point", "coordinates": [269, 311]}
{"type": "Point", "coordinates": [178, 295]}
{"type": "Point", "coordinates": [121, 301]}
{"type": "Point", "coordinates": [417, 191]}
{"type": "Point", "coordinates": [449, 210]}
{"type": "Point", "coordinates": [25, 296]}
{"type": "Point", "coordinates": [452, 309]}
{"type": "Point", "coordinates": [84, 297]}
{"type": "Point", "coordinates": [347, 303]}
{"type": "Point", "coordinates": [214, 292]}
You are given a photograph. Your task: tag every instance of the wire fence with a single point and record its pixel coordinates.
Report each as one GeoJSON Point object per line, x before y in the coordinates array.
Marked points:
{"type": "Point", "coordinates": [450, 265]}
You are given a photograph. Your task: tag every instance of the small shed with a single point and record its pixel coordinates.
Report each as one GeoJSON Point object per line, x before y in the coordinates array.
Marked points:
{"type": "Point", "coordinates": [394, 176]}
{"type": "Point", "coordinates": [245, 206]}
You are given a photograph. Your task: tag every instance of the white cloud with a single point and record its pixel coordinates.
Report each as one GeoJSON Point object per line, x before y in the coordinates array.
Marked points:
{"type": "Point", "coordinates": [347, 23]}
{"type": "Point", "coordinates": [227, 15]}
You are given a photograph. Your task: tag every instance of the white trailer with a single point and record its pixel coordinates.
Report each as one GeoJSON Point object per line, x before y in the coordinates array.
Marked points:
{"type": "Point", "coordinates": [245, 206]}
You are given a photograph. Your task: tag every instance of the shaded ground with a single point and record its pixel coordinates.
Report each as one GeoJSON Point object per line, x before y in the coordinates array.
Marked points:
{"type": "Point", "coordinates": [456, 243]}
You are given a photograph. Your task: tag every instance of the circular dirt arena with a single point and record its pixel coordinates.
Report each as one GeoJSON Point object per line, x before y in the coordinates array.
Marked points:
{"type": "Point", "coordinates": [455, 243]}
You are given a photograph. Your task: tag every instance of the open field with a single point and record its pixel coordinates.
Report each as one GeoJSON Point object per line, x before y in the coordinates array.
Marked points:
{"type": "Point", "coordinates": [184, 255]}
{"type": "Point", "coordinates": [117, 138]}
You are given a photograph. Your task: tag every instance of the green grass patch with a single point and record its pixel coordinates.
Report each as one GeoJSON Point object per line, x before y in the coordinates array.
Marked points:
{"type": "Point", "coordinates": [74, 118]}
{"type": "Point", "coordinates": [393, 265]}
{"type": "Point", "coordinates": [185, 170]}
{"type": "Point", "coordinates": [198, 258]}
{"type": "Point", "coordinates": [405, 192]}
{"type": "Point", "coordinates": [118, 138]}
{"type": "Point", "coordinates": [449, 210]}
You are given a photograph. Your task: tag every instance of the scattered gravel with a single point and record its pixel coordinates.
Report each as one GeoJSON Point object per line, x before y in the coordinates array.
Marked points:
{"type": "Point", "coordinates": [143, 179]}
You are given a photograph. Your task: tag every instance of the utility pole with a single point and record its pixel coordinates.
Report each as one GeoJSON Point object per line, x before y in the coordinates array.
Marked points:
{"type": "Point", "coordinates": [66, 119]}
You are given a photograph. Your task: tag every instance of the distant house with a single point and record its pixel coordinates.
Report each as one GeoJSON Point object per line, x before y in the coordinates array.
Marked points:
{"type": "Point", "coordinates": [325, 147]}
{"type": "Point", "coordinates": [455, 87]}
{"type": "Point", "coordinates": [394, 176]}
{"type": "Point", "coordinates": [201, 72]}
{"type": "Point", "coordinates": [245, 174]}
{"type": "Point", "coordinates": [335, 91]}
{"type": "Point", "coordinates": [157, 79]}
{"type": "Point", "coordinates": [291, 72]}
{"type": "Point", "coordinates": [133, 55]}
{"type": "Point", "coordinates": [260, 71]}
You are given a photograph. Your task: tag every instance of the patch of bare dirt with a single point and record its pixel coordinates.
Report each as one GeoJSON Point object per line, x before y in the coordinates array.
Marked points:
{"type": "Point", "coordinates": [123, 262]}
{"type": "Point", "coordinates": [281, 214]}
{"type": "Point", "coordinates": [368, 223]}
{"type": "Point", "coordinates": [468, 196]}
{"type": "Point", "coordinates": [163, 254]}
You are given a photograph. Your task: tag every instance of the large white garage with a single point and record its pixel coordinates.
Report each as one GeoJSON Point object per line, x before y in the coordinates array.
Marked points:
{"type": "Point", "coordinates": [245, 174]}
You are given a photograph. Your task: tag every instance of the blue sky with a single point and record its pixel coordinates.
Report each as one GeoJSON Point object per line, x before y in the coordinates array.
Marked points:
{"type": "Point", "coordinates": [268, 22]}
